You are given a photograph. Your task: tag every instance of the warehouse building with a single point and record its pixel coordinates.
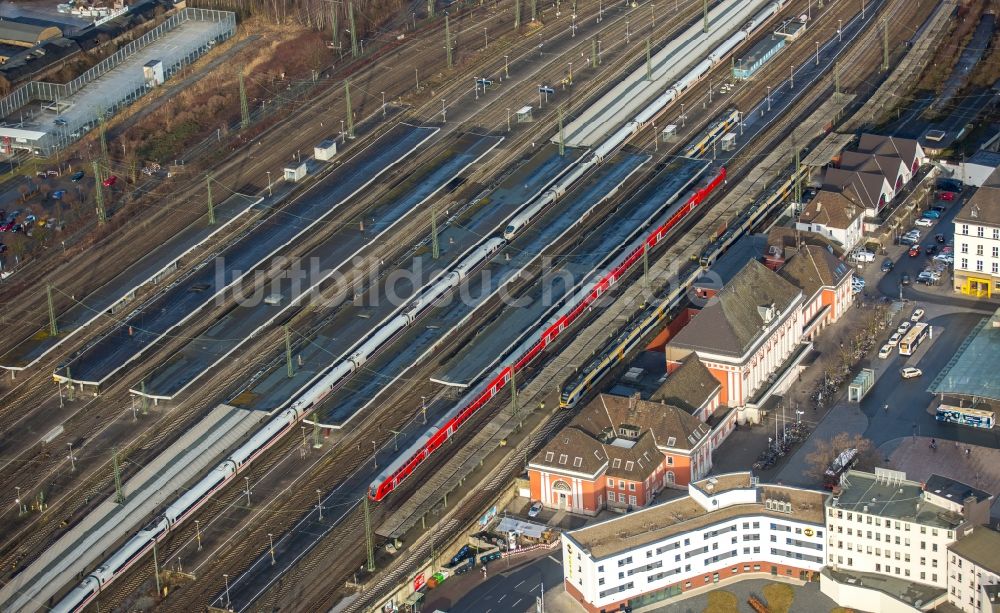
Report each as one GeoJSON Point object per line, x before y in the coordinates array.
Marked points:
{"type": "Point", "coordinates": [758, 55]}
{"type": "Point", "coordinates": [24, 35]}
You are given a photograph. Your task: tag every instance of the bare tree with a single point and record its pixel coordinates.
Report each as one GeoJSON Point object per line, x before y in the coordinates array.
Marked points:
{"type": "Point", "coordinates": [826, 450]}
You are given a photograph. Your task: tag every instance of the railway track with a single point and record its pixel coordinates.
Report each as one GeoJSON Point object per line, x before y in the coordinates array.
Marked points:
{"type": "Point", "coordinates": [500, 477]}
{"type": "Point", "coordinates": [162, 435]}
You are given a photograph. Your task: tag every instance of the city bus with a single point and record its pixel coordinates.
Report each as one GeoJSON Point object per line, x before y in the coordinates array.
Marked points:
{"type": "Point", "coordinates": [976, 418]}
{"type": "Point", "coordinates": [913, 338]}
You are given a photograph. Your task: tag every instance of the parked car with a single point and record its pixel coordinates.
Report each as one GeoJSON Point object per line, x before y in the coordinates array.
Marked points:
{"type": "Point", "coordinates": [946, 196]}
{"type": "Point", "coordinates": [940, 208]}
{"type": "Point", "coordinates": [862, 255]}
{"type": "Point", "coordinates": [931, 249]}
{"type": "Point", "coordinates": [30, 219]}
{"type": "Point", "coordinates": [918, 314]}
{"type": "Point", "coordinates": [908, 240]}
{"type": "Point", "coordinates": [926, 278]}
{"type": "Point", "coordinates": [904, 326]}
{"type": "Point", "coordinates": [939, 238]}
{"type": "Point", "coordinates": [885, 351]}
{"type": "Point", "coordinates": [914, 251]}
{"type": "Point", "coordinates": [910, 372]}
{"type": "Point", "coordinates": [535, 509]}
{"type": "Point", "coordinates": [462, 554]}
{"type": "Point", "coordinates": [886, 265]}
{"type": "Point", "coordinates": [931, 214]}
{"type": "Point", "coordinates": [949, 185]}
{"type": "Point", "coordinates": [110, 181]}
{"type": "Point", "coordinates": [894, 339]}
{"type": "Point", "coordinates": [58, 194]}
{"type": "Point", "coordinates": [59, 121]}
{"type": "Point", "coordinates": [76, 176]}
{"type": "Point", "coordinates": [923, 222]}
{"type": "Point", "coordinates": [904, 279]}
{"type": "Point", "coordinates": [496, 555]}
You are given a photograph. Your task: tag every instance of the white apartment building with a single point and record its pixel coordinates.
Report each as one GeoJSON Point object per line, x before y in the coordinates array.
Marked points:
{"type": "Point", "coordinates": [977, 242]}
{"type": "Point", "coordinates": [882, 524]}
{"type": "Point", "coordinates": [974, 571]}
{"type": "Point", "coordinates": [726, 527]}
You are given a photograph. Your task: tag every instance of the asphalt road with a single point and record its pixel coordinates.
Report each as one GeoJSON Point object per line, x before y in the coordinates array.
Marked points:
{"type": "Point", "coordinates": [506, 589]}
{"type": "Point", "coordinates": [152, 321]}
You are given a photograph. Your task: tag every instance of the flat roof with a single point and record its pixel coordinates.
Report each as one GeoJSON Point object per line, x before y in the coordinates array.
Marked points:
{"type": "Point", "coordinates": [906, 590]}
{"type": "Point", "coordinates": [868, 493]}
{"type": "Point", "coordinates": [675, 517]}
{"type": "Point", "coordinates": [979, 354]}
{"type": "Point", "coordinates": [725, 483]}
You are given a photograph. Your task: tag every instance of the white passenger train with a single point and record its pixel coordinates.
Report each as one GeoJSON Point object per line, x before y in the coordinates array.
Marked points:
{"type": "Point", "coordinates": [324, 385]}
{"type": "Point", "coordinates": [641, 120]}
{"type": "Point", "coordinates": [264, 438]}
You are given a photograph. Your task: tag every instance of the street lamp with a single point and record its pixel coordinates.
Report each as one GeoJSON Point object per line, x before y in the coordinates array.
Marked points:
{"type": "Point", "coordinates": [768, 98]}
{"type": "Point", "coordinates": [383, 104]}
{"type": "Point", "coordinates": [486, 35]}
{"type": "Point", "coordinates": [506, 66]}
{"type": "Point", "coordinates": [229, 603]}
{"type": "Point", "coordinates": [268, 183]}
{"type": "Point", "coordinates": [444, 112]}
{"type": "Point", "coordinates": [817, 53]}
{"type": "Point", "coordinates": [682, 114]}
{"type": "Point", "coordinates": [319, 503]}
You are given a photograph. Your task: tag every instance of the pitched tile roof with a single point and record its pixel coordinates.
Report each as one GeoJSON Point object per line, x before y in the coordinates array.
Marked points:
{"type": "Point", "coordinates": [735, 319]}
{"type": "Point", "coordinates": [889, 166]}
{"type": "Point", "coordinates": [867, 186]}
{"type": "Point", "coordinates": [831, 209]}
{"type": "Point", "coordinates": [984, 205]}
{"type": "Point", "coordinates": [625, 436]}
{"type": "Point", "coordinates": [814, 267]}
{"type": "Point", "coordinates": [982, 547]}
{"type": "Point", "coordinates": [903, 148]}
{"type": "Point", "coordinates": [689, 387]}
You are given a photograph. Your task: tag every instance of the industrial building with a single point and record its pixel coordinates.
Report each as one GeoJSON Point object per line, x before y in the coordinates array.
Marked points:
{"type": "Point", "coordinates": [746, 66]}
{"type": "Point", "coordinates": [24, 35]}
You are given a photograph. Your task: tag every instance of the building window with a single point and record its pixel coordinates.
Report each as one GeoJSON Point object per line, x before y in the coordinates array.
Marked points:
{"type": "Point", "coordinates": [621, 498]}
{"type": "Point", "coordinates": [965, 228]}
{"type": "Point", "coordinates": [996, 268]}
{"type": "Point", "coordinates": [996, 252]}
{"type": "Point", "coordinates": [631, 487]}
{"type": "Point", "coordinates": [979, 231]}
{"type": "Point", "coordinates": [629, 465]}
{"type": "Point", "coordinates": [577, 462]}
{"type": "Point", "coordinates": [621, 484]}
{"type": "Point", "coordinates": [670, 460]}
{"type": "Point", "coordinates": [979, 250]}
{"type": "Point", "coordinates": [979, 265]}
{"type": "Point", "coordinates": [631, 500]}
{"type": "Point", "coordinates": [617, 463]}
{"type": "Point", "coordinates": [562, 458]}
{"type": "Point", "coordinates": [611, 483]}
{"type": "Point", "coordinates": [964, 263]}
{"type": "Point", "coordinates": [996, 234]}
{"type": "Point", "coordinates": [549, 456]}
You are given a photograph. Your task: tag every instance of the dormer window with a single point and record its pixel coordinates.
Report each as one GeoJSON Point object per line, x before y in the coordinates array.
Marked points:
{"type": "Point", "coordinates": [562, 458]}
{"type": "Point", "coordinates": [577, 462]}
{"type": "Point", "coordinates": [549, 456]}
{"type": "Point", "coordinates": [671, 441]}
{"type": "Point", "coordinates": [617, 463]}
{"type": "Point", "coordinates": [629, 465]}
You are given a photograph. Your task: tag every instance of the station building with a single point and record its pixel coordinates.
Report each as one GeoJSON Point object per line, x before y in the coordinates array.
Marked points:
{"type": "Point", "coordinates": [825, 282]}
{"type": "Point", "coordinates": [725, 528]}
{"type": "Point", "coordinates": [749, 330]}
{"type": "Point", "coordinates": [977, 242]}
{"type": "Point", "coordinates": [617, 453]}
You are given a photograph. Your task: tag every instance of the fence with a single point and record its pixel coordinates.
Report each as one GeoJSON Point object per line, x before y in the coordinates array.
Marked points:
{"type": "Point", "coordinates": [224, 27]}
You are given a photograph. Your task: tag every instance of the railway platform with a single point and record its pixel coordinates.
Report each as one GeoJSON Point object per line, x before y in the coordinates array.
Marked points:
{"type": "Point", "coordinates": [156, 483]}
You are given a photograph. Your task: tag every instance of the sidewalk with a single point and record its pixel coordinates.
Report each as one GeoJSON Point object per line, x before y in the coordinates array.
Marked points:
{"type": "Point", "coordinates": [743, 446]}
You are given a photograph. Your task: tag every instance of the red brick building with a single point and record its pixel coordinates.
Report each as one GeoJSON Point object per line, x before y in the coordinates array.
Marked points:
{"type": "Point", "coordinates": [617, 453]}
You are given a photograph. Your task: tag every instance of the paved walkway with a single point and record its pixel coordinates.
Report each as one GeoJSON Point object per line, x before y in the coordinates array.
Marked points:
{"type": "Point", "coordinates": [979, 468]}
